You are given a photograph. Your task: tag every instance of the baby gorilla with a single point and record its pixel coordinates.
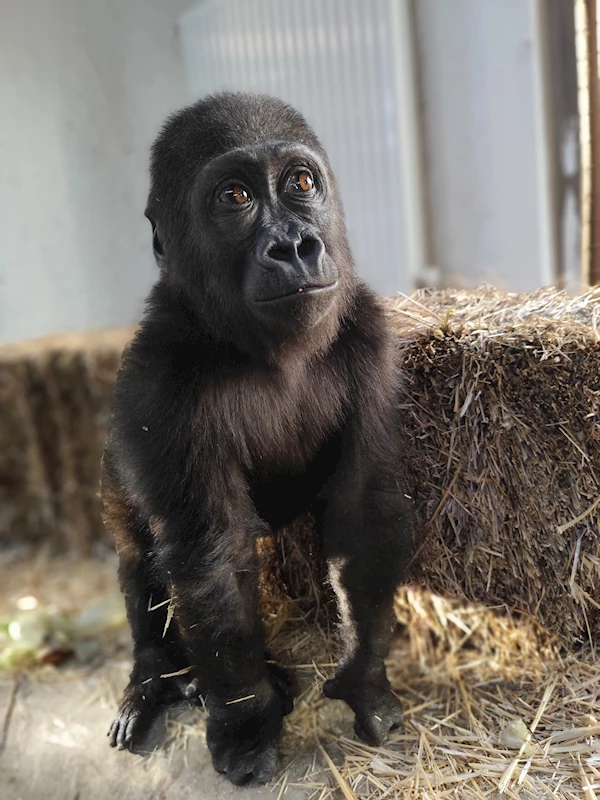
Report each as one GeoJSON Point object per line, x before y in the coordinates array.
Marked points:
{"type": "Point", "coordinates": [262, 382]}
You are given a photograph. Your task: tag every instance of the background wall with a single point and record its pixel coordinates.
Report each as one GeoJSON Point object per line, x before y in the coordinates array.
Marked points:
{"type": "Point", "coordinates": [486, 126]}
{"type": "Point", "coordinates": [436, 115]}
{"type": "Point", "coordinates": [84, 86]}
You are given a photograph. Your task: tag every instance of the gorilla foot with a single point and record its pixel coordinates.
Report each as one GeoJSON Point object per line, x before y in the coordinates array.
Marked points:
{"type": "Point", "coordinates": [241, 766]}
{"type": "Point", "coordinates": [376, 707]}
{"type": "Point", "coordinates": [282, 681]}
{"type": "Point", "coordinates": [242, 734]}
{"type": "Point", "coordinates": [136, 713]}
{"type": "Point", "coordinates": [284, 685]}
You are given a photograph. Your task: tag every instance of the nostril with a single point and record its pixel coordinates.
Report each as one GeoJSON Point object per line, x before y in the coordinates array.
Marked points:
{"type": "Point", "coordinates": [306, 247]}
{"type": "Point", "coordinates": [279, 253]}
{"type": "Point", "coordinates": [288, 251]}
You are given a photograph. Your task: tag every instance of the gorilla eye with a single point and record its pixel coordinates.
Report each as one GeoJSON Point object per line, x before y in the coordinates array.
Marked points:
{"type": "Point", "coordinates": [300, 181]}
{"type": "Point", "coordinates": [156, 244]}
{"type": "Point", "coordinates": [235, 194]}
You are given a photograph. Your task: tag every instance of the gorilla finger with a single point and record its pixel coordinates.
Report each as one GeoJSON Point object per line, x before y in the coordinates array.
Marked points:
{"type": "Point", "coordinates": [130, 728]}
{"type": "Point", "coordinates": [112, 732]}
{"type": "Point", "coordinates": [122, 743]}
{"type": "Point", "coordinates": [259, 765]}
{"type": "Point", "coordinates": [287, 706]}
{"type": "Point", "coordinates": [370, 733]}
{"type": "Point", "coordinates": [238, 776]}
{"type": "Point", "coordinates": [265, 764]}
{"type": "Point", "coordinates": [331, 689]}
{"type": "Point", "coordinates": [396, 719]}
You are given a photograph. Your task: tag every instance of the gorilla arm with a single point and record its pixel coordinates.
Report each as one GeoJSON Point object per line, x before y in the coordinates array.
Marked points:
{"type": "Point", "coordinates": [202, 553]}
{"type": "Point", "coordinates": [368, 528]}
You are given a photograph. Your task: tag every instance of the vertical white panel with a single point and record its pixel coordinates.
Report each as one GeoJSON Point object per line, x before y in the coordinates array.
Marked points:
{"type": "Point", "coordinates": [84, 87]}
{"type": "Point", "coordinates": [334, 61]}
{"type": "Point", "coordinates": [485, 144]}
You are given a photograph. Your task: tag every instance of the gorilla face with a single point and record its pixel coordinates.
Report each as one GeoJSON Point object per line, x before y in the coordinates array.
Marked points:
{"type": "Point", "coordinates": [248, 222]}
{"type": "Point", "coordinates": [270, 207]}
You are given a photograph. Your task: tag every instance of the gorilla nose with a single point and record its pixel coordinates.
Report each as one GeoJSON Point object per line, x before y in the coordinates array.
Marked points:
{"type": "Point", "coordinates": [297, 250]}
{"type": "Point", "coordinates": [292, 249]}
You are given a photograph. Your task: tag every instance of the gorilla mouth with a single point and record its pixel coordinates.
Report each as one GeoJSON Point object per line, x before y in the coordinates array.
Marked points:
{"type": "Point", "coordinates": [301, 291]}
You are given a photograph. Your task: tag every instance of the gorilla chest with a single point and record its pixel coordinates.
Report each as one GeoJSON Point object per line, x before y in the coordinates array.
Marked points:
{"type": "Point", "coordinates": [279, 423]}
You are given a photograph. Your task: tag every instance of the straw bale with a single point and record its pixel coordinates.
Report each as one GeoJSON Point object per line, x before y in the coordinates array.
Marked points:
{"type": "Point", "coordinates": [502, 401]}
{"type": "Point", "coordinates": [55, 397]}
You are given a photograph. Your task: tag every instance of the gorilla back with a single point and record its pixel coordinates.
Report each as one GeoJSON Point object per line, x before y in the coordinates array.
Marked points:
{"type": "Point", "coordinates": [262, 379]}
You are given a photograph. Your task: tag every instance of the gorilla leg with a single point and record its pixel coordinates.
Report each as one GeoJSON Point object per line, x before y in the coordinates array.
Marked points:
{"type": "Point", "coordinates": [154, 656]}
{"type": "Point", "coordinates": [146, 612]}
{"type": "Point", "coordinates": [213, 578]}
{"type": "Point", "coordinates": [367, 544]}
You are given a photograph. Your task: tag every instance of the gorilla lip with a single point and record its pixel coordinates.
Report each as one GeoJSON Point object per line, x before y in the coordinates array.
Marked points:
{"type": "Point", "coordinates": [301, 290]}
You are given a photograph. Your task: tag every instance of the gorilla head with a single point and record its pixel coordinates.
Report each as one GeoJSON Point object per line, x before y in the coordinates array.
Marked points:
{"type": "Point", "coordinates": [248, 225]}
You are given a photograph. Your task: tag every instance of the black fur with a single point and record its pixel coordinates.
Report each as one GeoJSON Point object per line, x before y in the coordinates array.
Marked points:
{"type": "Point", "coordinates": [262, 376]}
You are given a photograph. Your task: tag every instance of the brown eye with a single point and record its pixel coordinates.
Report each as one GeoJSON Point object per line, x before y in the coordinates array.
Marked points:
{"type": "Point", "coordinates": [305, 181]}
{"type": "Point", "coordinates": [236, 194]}
{"type": "Point", "coordinates": [301, 181]}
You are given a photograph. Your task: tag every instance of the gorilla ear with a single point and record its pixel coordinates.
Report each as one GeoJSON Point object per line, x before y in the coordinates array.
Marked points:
{"type": "Point", "coordinates": [157, 247]}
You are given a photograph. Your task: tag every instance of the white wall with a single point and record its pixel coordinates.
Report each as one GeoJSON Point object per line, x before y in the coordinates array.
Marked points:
{"type": "Point", "coordinates": [84, 86]}
{"type": "Point", "coordinates": [485, 124]}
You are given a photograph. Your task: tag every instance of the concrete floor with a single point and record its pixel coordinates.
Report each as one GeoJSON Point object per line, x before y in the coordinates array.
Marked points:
{"type": "Point", "coordinates": [54, 747]}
